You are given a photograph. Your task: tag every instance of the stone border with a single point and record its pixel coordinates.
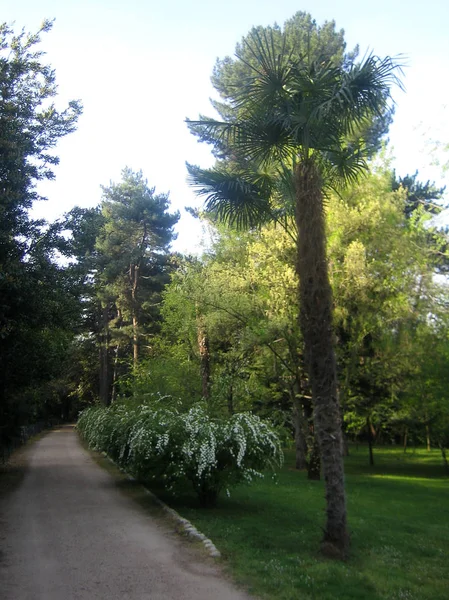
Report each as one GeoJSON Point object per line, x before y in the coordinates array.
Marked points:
{"type": "Point", "coordinates": [186, 525]}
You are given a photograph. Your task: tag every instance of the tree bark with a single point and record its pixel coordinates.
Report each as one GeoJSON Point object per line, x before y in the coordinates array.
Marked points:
{"type": "Point", "coordinates": [231, 399]}
{"type": "Point", "coordinates": [428, 438]}
{"type": "Point", "coordinates": [444, 457]}
{"type": "Point", "coordinates": [313, 448]}
{"type": "Point", "coordinates": [116, 361]}
{"type": "Point", "coordinates": [299, 426]}
{"type": "Point", "coordinates": [203, 346]}
{"type": "Point", "coordinates": [134, 276]}
{"type": "Point", "coordinates": [315, 299]}
{"type": "Point", "coordinates": [105, 370]}
{"type": "Point", "coordinates": [314, 464]}
{"type": "Point", "coordinates": [369, 430]}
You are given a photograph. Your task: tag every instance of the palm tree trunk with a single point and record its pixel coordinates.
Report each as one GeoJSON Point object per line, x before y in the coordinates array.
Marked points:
{"type": "Point", "coordinates": [315, 299]}
{"type": "Point", "coordinates": [314, 464]}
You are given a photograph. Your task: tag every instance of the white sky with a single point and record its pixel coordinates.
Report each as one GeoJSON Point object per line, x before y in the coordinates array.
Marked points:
{"type": "Point", "coordinates": [141, 66]}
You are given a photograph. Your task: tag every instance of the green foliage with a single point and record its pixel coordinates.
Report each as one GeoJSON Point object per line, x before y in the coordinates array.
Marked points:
{"type": "Point", "coordinates": [158, 442]}
{"type": "Point", "coordinates": [388, 306]}
{"type": "Point", "coordinates": [169, 369]}
{"type": "Point", "coordinates": [132, 247]}
{"type": "Point", "coordinates": [244, 290]}
{"type": "Point", "coordinates": [30, 123]}
{"type": "Point", "coordinates": [120, 262]}
{"type": "Point", "coordinates": [38, 307]}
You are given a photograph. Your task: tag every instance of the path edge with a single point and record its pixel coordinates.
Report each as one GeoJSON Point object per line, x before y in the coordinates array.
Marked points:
{"type": "Point", "coordinates": [186, 525]}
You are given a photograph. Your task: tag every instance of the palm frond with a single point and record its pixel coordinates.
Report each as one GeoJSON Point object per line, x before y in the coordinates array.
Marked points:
{"type": "Point", "coordinates": [271, 66]}
{"type": "Point", "coordinates": [239, 199]}
{"type": "Point", "coordinates": [343, 166]}
{"type": "Point", "coordinates": [292, 109]}
{"type": "Point", "coordinates": [261, 137]}
{"type": "Point", "coordinates": [361, 91]}
{"type": "Point", "coordinates": [211, 131]}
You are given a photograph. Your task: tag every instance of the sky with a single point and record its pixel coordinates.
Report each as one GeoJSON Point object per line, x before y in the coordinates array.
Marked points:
{"type": "Point", "coordinates": [140, 67]}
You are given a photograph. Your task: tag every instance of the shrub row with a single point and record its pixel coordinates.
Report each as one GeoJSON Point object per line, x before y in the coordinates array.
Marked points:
{"type": "Point", "coordinates": [164, 444]}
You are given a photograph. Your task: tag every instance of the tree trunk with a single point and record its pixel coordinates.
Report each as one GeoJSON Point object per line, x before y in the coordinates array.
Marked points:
{"type": "Point", "coordinates": [116, 372]}
{"type": "Point", "coordinates": [315, 299]}
{"type": "Point", "coordinates": [370, 440]}
{"type": "Point", "coordinates": [134, 275]}
{"type": "Point", "coordinates": [405, 439]}
{"type": "Point", "coordinates": [314, 464]}
{"type": "Point", "coordinates": [135, 341]}
{"type": "Point", "coordinates": [105, 375]}
{"type": "Point", "coordinates": [444, 457]}
{"type": "Point", "coordinates": [299, 426]}
{"type": "Point", "coordinates": [313, 448]}
{"type": "Point", "coordinates": [115, 375]}
{"type": "Point", "coordinates": [203, 346]}
{"type": "Point", "coordinates": [428, 438]}
{"type": "Point", "coordinates": [116, 361]}
{"type": "Point", "coordinates": [231, 399]}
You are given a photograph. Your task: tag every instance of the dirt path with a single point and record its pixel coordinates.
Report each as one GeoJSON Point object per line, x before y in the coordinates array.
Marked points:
{"type": "Point", "coordinates": [68, 533]}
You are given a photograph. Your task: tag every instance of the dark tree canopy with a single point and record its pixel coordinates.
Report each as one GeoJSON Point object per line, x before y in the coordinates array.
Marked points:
{"type": "Point", "coordinates": [419, 194]}
{"type": "Point", "coordinates": [35, 297]}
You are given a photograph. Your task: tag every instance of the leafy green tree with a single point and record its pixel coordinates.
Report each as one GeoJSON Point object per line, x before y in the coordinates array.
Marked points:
{"type": "Point", "coordinates": [381, 265]}
{"type": "Point", "coordinates": [296, 122]}
{"type": "Point", "coordinates": [428, 399]}
{"type": "Point", "coordinates": [134, 263]}
{"type": "Point", "coordinates": [34, 292]}
{"type": "Point", "coordinates": [30, 126]}
{"type": "Point", "coordinates": [419, 194]}
{"type": "Point", "coordinates": [80, 228]}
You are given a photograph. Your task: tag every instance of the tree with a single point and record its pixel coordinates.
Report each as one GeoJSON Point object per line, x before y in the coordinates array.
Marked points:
{"type": "Point", "coordinates": [295, 125]}
{"type": "Point", "coordinates": [426, 402]}
{"type": "Point", "coordinates": [32, 288]}
{"type": "Point", "coordinates": [304, 39]}
{"type": "Point", "coordinates": [419, 194]}
{"type": "Point", "coordinates": [80, 229]}
{"type": "Point", "coordinates": [133, 263]}
{"type": "Point", "coordinates": [375, 263]}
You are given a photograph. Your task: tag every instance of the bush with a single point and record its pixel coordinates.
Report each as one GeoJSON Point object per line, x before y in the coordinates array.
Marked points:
{"type": "Point", "coordinates": [163, 444]}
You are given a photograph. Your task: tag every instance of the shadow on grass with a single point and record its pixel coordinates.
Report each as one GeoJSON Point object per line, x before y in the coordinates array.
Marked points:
{"type": "Point", "coordinates": [394, 461]}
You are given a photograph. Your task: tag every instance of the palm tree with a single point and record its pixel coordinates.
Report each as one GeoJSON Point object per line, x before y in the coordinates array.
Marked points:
{"type": "Point", "coordinates": [296, 125]}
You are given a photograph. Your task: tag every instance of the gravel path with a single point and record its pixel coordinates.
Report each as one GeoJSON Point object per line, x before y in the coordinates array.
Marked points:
{"type": "Point", "coordinates": [68, 533]}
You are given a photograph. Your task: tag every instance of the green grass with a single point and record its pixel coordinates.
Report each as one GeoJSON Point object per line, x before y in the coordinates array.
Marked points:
{"type": "Point", "coordinates": [269, 533]}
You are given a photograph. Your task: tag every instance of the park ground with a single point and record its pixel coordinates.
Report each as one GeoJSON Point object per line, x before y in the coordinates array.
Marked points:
{"type": "Point", "coordinates": [269, 533]}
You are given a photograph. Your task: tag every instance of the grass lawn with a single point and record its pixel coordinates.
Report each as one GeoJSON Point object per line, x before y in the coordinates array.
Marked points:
{"type": "Point", "coordinates": [269, 533]}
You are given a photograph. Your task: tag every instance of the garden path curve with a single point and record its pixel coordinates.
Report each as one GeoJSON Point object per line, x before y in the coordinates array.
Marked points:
{"type": "Point", "coordinates": [68, 533]}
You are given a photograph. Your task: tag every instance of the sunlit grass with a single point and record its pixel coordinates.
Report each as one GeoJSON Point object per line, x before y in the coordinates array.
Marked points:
{"type": "Point", "coordinates": [269, 533]}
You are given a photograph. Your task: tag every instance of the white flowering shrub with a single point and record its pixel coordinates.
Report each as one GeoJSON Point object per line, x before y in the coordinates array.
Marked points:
{"type": "Point", "coordinates": [155, 442]}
